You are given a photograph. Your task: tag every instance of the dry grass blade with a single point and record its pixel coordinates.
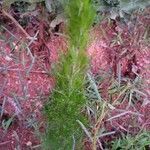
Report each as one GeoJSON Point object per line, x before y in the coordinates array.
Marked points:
{"type": "Point", "coordinates": [119, 73]}
{"type": "Point", "coordinates": [125, 112]}
{"type": "Point", "coordinates": [2, 109]}
{"type": "Point", "coordinates": [94, 86]}
{"type": "Point", "coordinates": [9, 32]}
{"type": "Point", "coordinates": [85, 130]}
{"type": "Point", "coordinates": [3, 143]}
{"type": "Point", "coordinates": [36, 147]}
{"type": "Point", "coordinates": [18, 147]}
{"type": "Point", "coordinates": [74, 142]}
{"type": "Point", "coordinates": [104, 111]}
{"type": "Point", "coordinates": [119, 115]}
{"type": "Point", "coordinates": [107, 134]}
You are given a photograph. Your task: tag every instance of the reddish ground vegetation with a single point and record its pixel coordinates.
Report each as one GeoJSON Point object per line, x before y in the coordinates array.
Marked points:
{"type": "Point", "coordinates": [25, 83]}
{"type": "Point", "coordinates": [26, 79]}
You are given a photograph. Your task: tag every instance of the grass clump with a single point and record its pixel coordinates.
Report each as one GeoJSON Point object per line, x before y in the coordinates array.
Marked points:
{"type": "Point", "coordinates": [128, 142]}
{"type": "Point", "coordinates": [68, 97]}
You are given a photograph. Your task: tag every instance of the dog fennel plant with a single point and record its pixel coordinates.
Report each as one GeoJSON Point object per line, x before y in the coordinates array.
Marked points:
{"type": "Point", "coordinates": [67, 99]}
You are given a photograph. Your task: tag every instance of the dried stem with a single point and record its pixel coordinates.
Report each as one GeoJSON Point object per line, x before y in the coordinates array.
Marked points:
{"type": "Point", "coordinates": [16, 23]}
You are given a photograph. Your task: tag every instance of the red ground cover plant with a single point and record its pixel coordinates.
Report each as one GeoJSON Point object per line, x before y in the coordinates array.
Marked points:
{"type": "Point", "coordinates": [123, 54]}
{"type": "Point", "coordinates": [25, 85]}
{"type": "Point", "coordinates": [26, 81]}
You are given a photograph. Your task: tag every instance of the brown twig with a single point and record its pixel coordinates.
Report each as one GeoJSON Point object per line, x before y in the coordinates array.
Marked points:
{"type": "Point", "coordinates": [16, 23]}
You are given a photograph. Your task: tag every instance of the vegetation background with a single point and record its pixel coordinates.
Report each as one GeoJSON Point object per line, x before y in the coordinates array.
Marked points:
{"type": "Point", "coordinates": [85, 102]}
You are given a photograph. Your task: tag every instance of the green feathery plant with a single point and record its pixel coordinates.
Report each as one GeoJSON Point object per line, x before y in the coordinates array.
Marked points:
{"type": "Point", "coordinates": [67, 100]}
